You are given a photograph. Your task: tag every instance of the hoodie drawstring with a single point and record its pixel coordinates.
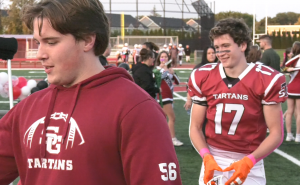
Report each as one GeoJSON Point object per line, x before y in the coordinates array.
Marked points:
{"type": "Point", "coordinates": [47, 118]}
{"type": "Point", "coordinates": [46, 123]}
{"type": "Point", "coordinates": [66, 126]}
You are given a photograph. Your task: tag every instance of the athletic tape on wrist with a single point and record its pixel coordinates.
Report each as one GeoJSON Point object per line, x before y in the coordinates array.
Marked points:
{"type": "Point", "coordinates": [204, 151]}
{"type": "Point", "coordinates": [252, 158]}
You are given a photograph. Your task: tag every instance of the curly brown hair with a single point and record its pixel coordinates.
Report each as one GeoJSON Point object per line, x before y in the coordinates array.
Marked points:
{"type": "Point", "coordinates": [236, 28]}
{"type": "Point", "coordinates": [79, 18]}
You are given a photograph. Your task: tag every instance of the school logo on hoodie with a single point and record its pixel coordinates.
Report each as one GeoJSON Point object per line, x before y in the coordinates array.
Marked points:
{"type": "Point", "coordinates": [53, 142]}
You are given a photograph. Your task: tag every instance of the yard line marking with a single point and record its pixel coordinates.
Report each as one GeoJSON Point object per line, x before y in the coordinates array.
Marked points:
{"type": "Point", "coordinates": [277, 151]}
{"type": "Point", "coordinates": [184, 71]}
{"type": "Point", "coordinates": [35, 76]}
{"type": "Point", "coordinates": [288, 157]}
{"type": "Point", "coordinates": [42, 72]}
{"type": "Point", "coordinates": [23, 69]}
{"type": "Point", "coordinates": [179, 96]}
{"type": "Point", "coordinates": [8, 101]}
{"type": "Point", "coordinates": [173, 99]}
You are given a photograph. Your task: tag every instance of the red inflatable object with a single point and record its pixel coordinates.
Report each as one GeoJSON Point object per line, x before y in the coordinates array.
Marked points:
{"type": "Point", "coordinates": [22, 82]}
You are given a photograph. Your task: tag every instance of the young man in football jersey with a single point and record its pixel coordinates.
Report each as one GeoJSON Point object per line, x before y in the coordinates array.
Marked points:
{"type": "Point", "coordinates": [75, 132]}
{"type": "Point", "coordinates": [240, 101]}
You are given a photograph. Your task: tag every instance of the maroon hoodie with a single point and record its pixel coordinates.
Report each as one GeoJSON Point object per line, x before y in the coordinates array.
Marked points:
{"type": "Point", "coordinates": [103, 131]}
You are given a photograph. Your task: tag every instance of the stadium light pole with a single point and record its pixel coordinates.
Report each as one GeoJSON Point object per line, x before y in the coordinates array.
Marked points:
{"type": "Point", "coordinates": [266, 22]}
{"type": "Point", "coordinates": [253, 34]}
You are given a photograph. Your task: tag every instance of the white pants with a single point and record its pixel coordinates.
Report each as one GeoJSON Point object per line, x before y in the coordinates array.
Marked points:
{"type": "Point", "coordinates": [187, 58]}
{"type": "Point", "coordinates": [224, 159]}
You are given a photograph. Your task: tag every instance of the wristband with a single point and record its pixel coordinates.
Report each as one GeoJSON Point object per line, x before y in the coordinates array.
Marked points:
{"type": "Point", "coordinates": [204, 151]}
{"type": "Point", "coordinates": [252, 158]}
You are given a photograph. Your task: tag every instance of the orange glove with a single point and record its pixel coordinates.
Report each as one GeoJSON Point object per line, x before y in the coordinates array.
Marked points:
{"type": "Point", "coordinates": [210, 165]}
{"type": "Point", "coordinates": [242, 169]}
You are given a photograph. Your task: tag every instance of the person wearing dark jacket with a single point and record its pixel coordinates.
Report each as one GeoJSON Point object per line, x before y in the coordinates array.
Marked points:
{"type": "Point", "coordinates": [103, 57]}
{"type": "Point", "coordinates": [143, 75]}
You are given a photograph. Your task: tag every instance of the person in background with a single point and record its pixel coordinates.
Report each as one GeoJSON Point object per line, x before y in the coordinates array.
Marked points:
{"type": "Point", "coordinates": [57, 136]}
{"type": "Point", "coordinates": [152, 47]}
{"type": "Point", "coordinates": [136, 54]}
{"type": "Point", "coordinates": [167, 88]}
{"type": "Point", "coordinates": [103, 57]}
{"type": "Point", "coordinates": [173, 55]}
{"type": "Point", "coordinates": [180, 53]}
{"type": "Point", "coordinates": [125, 53]}
{"type": "Point", "coordinates": [270, 56]}
{"type": "Point", "coordinates": [293, 101]}
{"type": "Point", "coordinates": [165, 48]}
{"type": "Point", "coordinates": [187, 52]}
{"type": "Point", "coordinates": [254, 55]}
{"type": "Point", "coordinates": [143, 75]}
{"type": "Point", "coordinates": [287, 55]}
{"type": "Point", "coordinates": [169, 48]}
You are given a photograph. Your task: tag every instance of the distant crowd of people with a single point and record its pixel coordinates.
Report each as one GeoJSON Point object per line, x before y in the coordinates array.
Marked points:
{"type": "Point", "coordinates": [176, 53]}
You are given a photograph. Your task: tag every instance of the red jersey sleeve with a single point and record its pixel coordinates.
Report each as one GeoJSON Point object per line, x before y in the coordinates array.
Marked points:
{"type": "Point", "coordinates": [146, 148]}
{"type": "Point", "coordinates": [276, 91]}
{"type": "Point", "coordinates": [8, 166]}
{"type": "Point", "coordinates": [292, 61]}
{"type": "Point", "coordinates": [197, 80]}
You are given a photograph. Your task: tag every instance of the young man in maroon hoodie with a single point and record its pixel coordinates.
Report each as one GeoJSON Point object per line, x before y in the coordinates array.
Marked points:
{"type": "Point", "coordinates": [84, 128]}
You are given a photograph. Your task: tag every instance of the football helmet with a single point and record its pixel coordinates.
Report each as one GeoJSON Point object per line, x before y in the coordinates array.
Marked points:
{"type": "Point", "coordinates": [219, 180]}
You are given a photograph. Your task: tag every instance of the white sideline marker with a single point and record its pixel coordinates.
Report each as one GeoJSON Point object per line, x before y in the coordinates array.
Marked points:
{"type": "Point", "coordinates": [288, 157]}
{"type": "Point", "coordinates": [41, 72]}
{"type": "Point", "coordinates": [277, 151]}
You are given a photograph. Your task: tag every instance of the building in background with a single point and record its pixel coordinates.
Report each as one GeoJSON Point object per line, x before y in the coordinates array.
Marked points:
{"type": "Point", "coordinates": [292, 29]}
{"type": "Point", "coordinates": [195, 23]}
{"type": "Point", "coordinates": [175, 24]}
{"type": "Point", "coordinates": [130, 23]}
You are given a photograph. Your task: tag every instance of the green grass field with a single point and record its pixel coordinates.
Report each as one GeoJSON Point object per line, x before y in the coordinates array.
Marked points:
{"type": "Point", "coordinates": [279, 170]}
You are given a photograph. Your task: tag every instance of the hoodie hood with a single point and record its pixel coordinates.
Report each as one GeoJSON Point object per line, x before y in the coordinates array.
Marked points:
{"type": "Point", "coordinates": [109, 74]}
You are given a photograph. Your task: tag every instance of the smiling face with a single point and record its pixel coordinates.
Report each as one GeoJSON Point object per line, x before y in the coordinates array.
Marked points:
{"type": "Point", "coordinates": [228, 52]}
{"type": "Point", "coordinates": [61, 55]}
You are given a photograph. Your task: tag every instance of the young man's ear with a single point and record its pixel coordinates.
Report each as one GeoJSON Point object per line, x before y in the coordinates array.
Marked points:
{"type": "Point", "coordinates": [89, 42]}
{"type": "Point", "coordinates": [244, 46]}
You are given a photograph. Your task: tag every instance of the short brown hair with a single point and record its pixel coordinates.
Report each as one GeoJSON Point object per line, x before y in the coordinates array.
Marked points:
{"type": "Point", "coordinates": [296, 48]}
{"type": "Point", "coordinates": [254, 54]}
{"type": "Point", "coordinates": [267, 38]}
{"type": "Point", "coordinates": [236, 28]}
{"type": "Point", "coordinates": [79, 18]}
